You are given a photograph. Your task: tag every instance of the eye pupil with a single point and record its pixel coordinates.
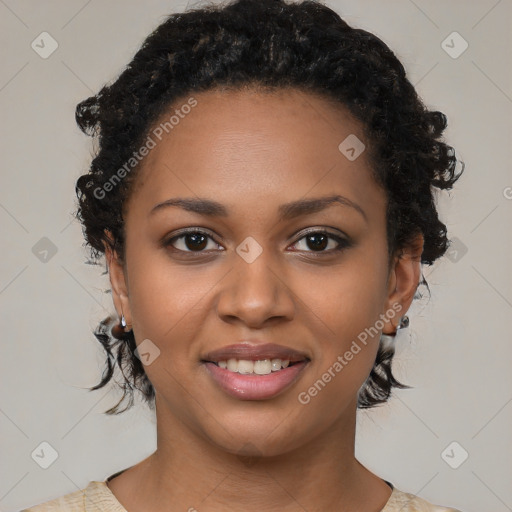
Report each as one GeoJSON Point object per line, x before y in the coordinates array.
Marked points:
{"type": "Point", "coordinates": [196, 238]}
{"type": "Point", "coordinates": [318, 245]}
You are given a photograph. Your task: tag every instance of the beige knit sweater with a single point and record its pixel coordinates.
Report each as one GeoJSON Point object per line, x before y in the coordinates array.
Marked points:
{"type": "Point", "coordinates": [97, 497]}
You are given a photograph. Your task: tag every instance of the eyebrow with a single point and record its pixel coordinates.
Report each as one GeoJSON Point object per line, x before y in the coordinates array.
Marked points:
{"type": "Point", "coordinates": [286, 211]}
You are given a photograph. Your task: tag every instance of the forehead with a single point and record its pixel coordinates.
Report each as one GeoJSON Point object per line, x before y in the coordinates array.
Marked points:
{"type": "Point", "coordinates": [254, 147]}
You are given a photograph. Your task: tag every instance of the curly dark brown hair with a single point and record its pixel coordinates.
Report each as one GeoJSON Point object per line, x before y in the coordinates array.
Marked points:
{"type": "Point", "coordinates": [267, 44]}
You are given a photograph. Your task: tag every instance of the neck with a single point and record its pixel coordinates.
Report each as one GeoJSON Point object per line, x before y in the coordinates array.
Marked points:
{"type": "Point", "coordinates": [189, 472]}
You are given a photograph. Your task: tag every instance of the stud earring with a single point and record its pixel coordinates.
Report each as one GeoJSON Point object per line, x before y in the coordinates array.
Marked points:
{"type": "Point", "coordinates": [389, 339]}
{"type": "Point", "coordinates": [404, 322]}
{"type": "Point", "coordinates": [123, 322]}
{"type": "Point", "coordinates": [120, 330]}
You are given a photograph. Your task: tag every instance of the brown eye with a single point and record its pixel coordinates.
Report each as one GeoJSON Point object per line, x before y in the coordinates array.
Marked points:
{"type": "Point", "coordinates": [319, 241]}
{"type": "Point", "coordinates": [191, 241]}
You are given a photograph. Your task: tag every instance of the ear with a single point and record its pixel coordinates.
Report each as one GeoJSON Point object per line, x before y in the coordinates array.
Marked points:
{"type": "Point", "coordinates": [403, 281]}
{"type": "Point", "coordinates": [118, 281]}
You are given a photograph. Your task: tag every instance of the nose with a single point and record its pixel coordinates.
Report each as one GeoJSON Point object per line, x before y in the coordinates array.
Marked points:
{"type": "Point", "coordinates": [256, 294]}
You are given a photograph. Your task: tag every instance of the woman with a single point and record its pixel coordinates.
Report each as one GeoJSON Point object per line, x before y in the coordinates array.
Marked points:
{"type": "Point", "coordinates": [263, 193]}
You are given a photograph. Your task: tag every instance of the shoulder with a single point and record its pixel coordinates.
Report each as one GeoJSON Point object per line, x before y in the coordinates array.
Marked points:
{"type": "Point", "coordinates": [72, 502]}
{"type": "Point", "coordinates": [407, 502]}
{"type": "Point", "coordinates": [96, 497]}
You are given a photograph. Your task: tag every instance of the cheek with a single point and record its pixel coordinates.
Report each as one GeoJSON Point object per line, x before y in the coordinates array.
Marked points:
{"type": "Point", "coordinates": [343, 308]}
{"type": "Point", "coordinates": [346, 298]}
{"type": "Point", "coordinates": [345, 349]}
{"type": "Point", "coordinates": [165, 297]}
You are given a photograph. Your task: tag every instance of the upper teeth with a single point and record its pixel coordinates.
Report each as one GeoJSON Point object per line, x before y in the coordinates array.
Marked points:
{"type": "Point", "coordinates": [260, 367]}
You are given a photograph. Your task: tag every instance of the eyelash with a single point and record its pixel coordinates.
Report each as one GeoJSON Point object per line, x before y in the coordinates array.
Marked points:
{"type": "Point", "coordinates": [343, 243]}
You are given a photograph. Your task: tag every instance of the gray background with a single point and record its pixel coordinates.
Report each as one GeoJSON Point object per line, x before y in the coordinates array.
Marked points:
{"type": "Point", "coordinates": [456, 353]}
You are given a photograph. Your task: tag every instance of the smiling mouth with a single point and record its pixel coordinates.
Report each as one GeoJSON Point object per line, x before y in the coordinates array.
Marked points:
{"type": "Point", "coordinates": [251, 370]}
{"type": "Point", "coordinates": [260, 379]}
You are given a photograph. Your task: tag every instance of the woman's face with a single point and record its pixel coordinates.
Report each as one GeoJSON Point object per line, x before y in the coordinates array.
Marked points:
{"type": "Point", "coordinates": [255, 275]}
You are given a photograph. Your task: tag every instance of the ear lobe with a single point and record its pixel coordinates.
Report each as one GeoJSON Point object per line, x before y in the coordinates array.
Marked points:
{"type": "Point", "coordinates": [404, 279]}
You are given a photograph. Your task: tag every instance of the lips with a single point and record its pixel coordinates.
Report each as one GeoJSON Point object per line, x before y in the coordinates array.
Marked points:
{"type": "Point", "coordinates": [254, 352]}
{"type": "Point", "coordinates": [252, 386]}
